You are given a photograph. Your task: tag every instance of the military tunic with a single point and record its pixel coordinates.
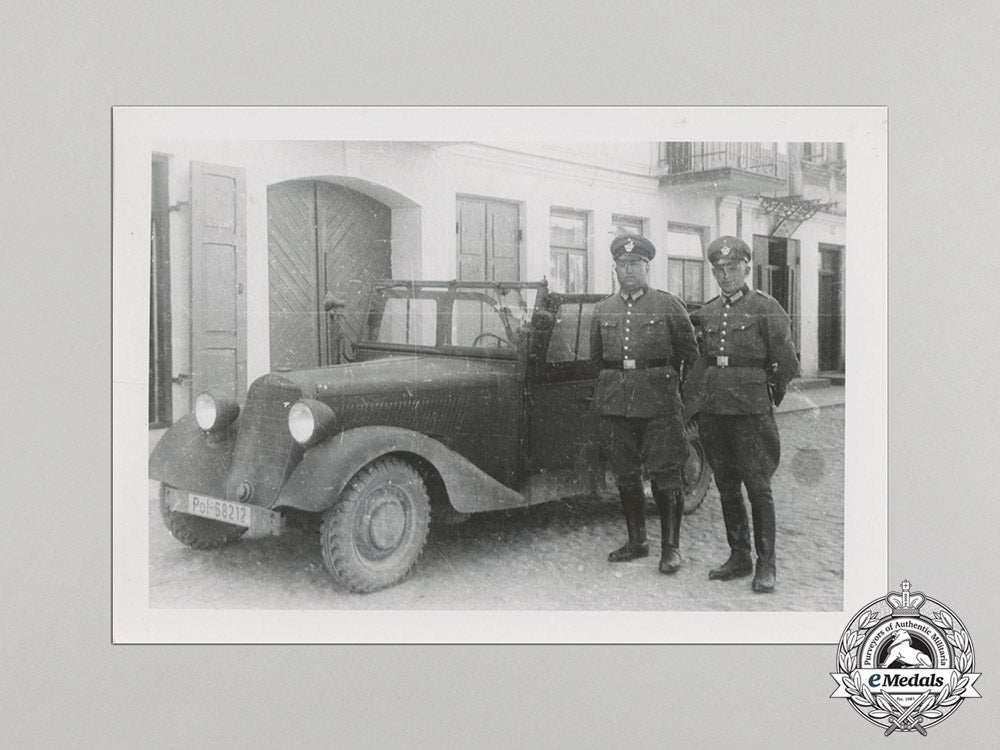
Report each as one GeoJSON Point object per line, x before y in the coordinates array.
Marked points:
{"type": "Point", "coordinates": [642, 343]}
{"type": "Point", "coordinates": [754, 333]}
{"type": "Point", "coordinates": [746, 340]}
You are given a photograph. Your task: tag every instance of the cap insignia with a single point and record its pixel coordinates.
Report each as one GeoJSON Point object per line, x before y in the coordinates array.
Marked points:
{"type": "Point", "coordinates": [726, 250]}
{"type": "Point", "coordinates": [629, 245]}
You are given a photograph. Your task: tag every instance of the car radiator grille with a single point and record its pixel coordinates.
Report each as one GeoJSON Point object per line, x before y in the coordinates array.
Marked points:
{"type": "Point", "coordinates": [265, 452]}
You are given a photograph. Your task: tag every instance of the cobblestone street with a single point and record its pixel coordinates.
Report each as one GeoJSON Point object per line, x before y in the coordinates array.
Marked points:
{"type": "Point", "coordinates": [551, 556]}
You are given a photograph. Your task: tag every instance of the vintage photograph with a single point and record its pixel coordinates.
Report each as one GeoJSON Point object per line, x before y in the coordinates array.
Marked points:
{"type": "Point", "coordinates": [508, 376]}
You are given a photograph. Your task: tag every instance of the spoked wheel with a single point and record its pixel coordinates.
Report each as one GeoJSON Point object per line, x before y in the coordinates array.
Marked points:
{"type": "Point", "coordinates": [376, 531]}
{"type": "Point", "coordinates": [697, 473]}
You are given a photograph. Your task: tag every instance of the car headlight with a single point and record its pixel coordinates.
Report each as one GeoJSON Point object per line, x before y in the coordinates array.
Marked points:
{"type": "Point", "coordinates": [309, 421]}
{"type": "Point", "coordinates": [214, 413]}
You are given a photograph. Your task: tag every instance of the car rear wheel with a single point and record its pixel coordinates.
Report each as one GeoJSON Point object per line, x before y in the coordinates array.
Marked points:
{"type": "Point", "coordinates": [375, 532]}
{"type": "Point", "coordinates": [697, 473]}
{"type": "Point", "coordinates": [195, 531]}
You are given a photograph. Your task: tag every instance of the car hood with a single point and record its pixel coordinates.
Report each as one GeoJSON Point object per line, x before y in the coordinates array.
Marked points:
{"type": "Point", "coordinates": [410, 375]}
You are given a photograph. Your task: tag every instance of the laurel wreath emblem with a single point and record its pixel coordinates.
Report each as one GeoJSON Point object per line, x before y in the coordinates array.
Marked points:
{"type": "Point", "coordinates": [862, 696]}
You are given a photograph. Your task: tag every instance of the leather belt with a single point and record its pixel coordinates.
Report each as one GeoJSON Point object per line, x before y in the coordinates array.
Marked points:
{"type": "Point", "coordinates": [635, 364]}
{"type": "Point", "coordinates": [728, 361]}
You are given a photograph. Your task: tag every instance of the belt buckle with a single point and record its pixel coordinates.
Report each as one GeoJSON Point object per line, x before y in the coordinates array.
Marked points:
{"type": "Point", "coordinates": [628, 364]}
{"type": "Point", "coordinates": [722, 361]}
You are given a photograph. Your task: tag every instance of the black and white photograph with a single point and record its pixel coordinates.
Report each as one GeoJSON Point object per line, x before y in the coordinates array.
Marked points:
{"type": "Point", "coordinates": [546, 369]}
{"type": "Point", "coordinates": [320, 426]}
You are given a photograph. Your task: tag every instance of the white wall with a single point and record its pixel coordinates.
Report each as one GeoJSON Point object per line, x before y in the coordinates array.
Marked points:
{"type": "Point", "coordinates": [539, 183]}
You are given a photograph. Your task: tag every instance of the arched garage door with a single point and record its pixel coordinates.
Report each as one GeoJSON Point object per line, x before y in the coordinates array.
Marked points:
{"type": "Point", "coordinates": [321, 238]}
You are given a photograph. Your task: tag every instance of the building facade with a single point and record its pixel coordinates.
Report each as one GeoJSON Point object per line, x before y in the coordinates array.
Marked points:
{"type": "Point", "coordinates": [249, 239]}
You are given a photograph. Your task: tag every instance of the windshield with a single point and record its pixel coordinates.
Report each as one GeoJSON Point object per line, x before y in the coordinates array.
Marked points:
{"type": "Point", "coordinates": [478, 316]}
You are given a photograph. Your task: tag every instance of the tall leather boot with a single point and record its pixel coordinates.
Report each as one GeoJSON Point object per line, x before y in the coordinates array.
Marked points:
{"type": "Point", "coordinates": [763, 537]}
{"type": "Point", "coordinates": [739, 564]}
{"type": "Point", "coordinates": [633, 506]}
{"type": "Point", "coordinates": [670, 503]}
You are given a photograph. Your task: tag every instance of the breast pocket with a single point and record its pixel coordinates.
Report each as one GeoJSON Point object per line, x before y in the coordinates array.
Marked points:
{"type": "Point", "coordinates": [654, 337]}
{"type": "Point", "coordinates": [611, 339]}
{"type": "Point", "coordinates": [746, 339]}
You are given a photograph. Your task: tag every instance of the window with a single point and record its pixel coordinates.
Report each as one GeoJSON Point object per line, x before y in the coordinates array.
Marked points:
{"type": "Point", "coordinates": [686, 279]}
{"type": "Point", "coordinates": [686, 265]}
{"type": "Point", "coordinates": [626, 224]}
{"type": "Point", "coordinates": [568, 236]}
{"type": "Point", "coordinates": [813, 152]}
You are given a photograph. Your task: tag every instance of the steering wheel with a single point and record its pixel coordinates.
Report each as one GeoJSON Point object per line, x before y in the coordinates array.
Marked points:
{"type": "Point", "coordinates": [485, 334]}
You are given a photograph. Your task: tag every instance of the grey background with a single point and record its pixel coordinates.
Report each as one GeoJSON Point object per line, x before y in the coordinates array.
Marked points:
{"type": "Point", "coordinates": [65, 66]}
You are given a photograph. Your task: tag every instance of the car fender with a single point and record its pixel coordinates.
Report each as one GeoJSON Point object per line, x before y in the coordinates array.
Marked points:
{"type": "Point", "coordinates": [188, 458]}
{"type": "Point", "coordinates": [325, 470]}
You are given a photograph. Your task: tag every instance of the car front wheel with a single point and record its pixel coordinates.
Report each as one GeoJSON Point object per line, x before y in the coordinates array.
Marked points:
{"type": "Point", "coordinates": [376, 530]}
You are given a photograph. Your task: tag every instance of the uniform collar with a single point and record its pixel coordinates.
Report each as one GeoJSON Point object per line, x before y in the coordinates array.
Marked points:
{"type": "Point", "coordinates": [736, 296]}
{"type": "Point", "coordinates": [634, 296]}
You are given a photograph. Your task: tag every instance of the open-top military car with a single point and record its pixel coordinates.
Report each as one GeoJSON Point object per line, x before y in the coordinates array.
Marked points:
{"type": "Point", "coordinates": [461, 397]}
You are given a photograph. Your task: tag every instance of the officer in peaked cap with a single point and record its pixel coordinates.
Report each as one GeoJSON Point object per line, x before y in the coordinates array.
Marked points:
{"type": "Point", "coordinates": [747, 361]}
{"type": "Point", "coordinates": [642, 340]}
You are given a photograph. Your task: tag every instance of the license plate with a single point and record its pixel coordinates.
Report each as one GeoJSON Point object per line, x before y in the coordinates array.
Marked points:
{"type": "Point", "coordinates": [219, 510]}
{"type": "Point", "coordinates": [258, 520]}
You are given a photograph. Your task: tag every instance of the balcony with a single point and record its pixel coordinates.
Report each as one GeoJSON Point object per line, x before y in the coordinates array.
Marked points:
{"type": "Point", "coordinates": [725, 167]}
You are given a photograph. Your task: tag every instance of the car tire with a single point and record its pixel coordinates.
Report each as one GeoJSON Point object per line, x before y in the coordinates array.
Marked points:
{"type": "Point", "coordinates": [195, 531]}
{"type": "Point", "coordinates": [697, 472]}
{"type": "Point", "coordinates": [374, 533]}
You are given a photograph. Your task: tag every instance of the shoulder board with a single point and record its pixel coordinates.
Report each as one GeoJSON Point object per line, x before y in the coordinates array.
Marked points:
{"type": "Point", "coordinates": [765, 295]}
{"type": "Point", "coordinates": [711, 300]}
{"type": "Point", "coordinates": [664, 293]}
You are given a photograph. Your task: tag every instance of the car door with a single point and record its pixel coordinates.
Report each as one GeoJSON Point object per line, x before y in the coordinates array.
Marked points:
{"type": "Point", "coordinates": [564, 451]}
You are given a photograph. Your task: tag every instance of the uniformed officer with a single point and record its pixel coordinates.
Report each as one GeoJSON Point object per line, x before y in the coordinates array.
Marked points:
{"type": "Point", "coordinates": [642, 340]}
{"type": "Point", "coordinates": [747, 361]}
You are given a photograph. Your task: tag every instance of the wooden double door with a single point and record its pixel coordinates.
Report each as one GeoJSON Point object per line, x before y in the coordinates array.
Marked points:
{"type": "Point", "coordinates": [322, 238]}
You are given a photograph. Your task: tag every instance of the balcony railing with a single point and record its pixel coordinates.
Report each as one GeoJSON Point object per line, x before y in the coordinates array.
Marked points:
{"type": "Point", "coordinates": [758, 158]}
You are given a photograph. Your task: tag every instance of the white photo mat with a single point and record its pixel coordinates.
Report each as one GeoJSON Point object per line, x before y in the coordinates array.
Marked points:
{"type": "Point", "coordinates": [137, 130]}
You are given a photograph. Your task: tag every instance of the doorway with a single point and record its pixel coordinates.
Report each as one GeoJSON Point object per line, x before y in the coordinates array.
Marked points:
{"type": "Point", "coordinates": [776, 272]}
{"type": "Point", "coordinates": [322, 239]}
{"type": "Point", "coordinates": [831, 310]}
{"type": "Point", "coordinates": [159, 299]}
